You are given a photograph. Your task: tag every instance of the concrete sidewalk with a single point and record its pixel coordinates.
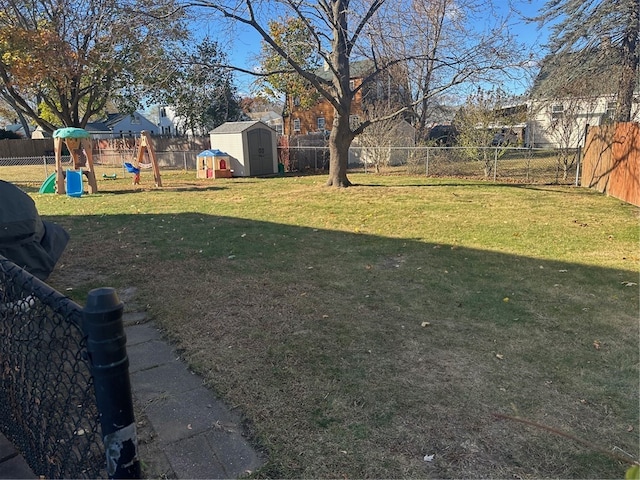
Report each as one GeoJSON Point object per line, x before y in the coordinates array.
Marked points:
{"type": "Point", "coordinates": [190, 433]}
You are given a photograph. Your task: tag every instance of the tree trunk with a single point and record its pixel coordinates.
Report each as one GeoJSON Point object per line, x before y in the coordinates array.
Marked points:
{"type": "Point", "coordinates": [341, 136]}
{"type": "Point", "coordinates": [339, 142]}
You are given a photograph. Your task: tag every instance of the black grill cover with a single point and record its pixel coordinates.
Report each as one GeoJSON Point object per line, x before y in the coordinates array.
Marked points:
{"type": "Point", "coordinates": [26, 239]}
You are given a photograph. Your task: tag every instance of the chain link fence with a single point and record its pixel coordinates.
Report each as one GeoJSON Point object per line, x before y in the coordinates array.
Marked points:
{"type": "Point", "coordinates": [47, 401]}
{"type": "Point", "coordinates": [526, 165]}
{"type": "Point", "coordinates": [35, 170]}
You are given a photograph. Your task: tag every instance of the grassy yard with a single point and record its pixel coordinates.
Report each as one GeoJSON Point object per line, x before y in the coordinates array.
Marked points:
{"type": "Point", "coordinates": [360, 330]}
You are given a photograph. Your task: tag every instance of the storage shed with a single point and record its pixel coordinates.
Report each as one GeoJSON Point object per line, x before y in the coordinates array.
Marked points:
{"type": "Point", "coordinates": [251, 146]}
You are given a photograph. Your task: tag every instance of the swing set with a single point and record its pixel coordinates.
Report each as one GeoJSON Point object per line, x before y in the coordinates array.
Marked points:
{"type": "Point", "coordinates": [78, 142]}
{"type": "Point", "coordinates": [145, 152]}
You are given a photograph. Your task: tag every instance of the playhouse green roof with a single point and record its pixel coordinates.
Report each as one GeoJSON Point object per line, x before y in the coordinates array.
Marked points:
{"type": "Point", "coordinates": [71, 132]}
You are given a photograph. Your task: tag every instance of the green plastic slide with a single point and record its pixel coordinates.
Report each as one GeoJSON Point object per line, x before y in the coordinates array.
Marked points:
{"type": "Point", "coordinates": [49, 185]}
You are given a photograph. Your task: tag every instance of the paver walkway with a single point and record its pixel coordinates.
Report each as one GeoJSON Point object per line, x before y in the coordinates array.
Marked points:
{"type": "Point", "coordinates": [195, 434]}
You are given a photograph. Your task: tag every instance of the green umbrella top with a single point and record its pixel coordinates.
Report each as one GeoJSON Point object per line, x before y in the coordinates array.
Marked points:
{"type": "Point", "coordinates": [71, 132]}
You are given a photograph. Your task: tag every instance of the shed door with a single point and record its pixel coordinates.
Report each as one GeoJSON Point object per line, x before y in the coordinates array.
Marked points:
{"type": "Point", "coordinates": [260, 152]}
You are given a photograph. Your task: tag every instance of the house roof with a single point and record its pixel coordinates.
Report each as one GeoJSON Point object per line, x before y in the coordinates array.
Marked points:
{"type": "Point", "coordinates": [238, 127]}
{"type": "Point", "coordinates": [266, 116]}
{"type": "Point", "coordinates": [95, 127]}
{"type": "Point", "coordinates": [357, 69]}
{"type": "Point", "coordinates": [594, 72]}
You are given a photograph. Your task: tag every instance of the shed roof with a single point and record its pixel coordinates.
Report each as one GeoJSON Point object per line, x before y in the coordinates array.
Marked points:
{"type": "Point", "coordinates": [237, 127]}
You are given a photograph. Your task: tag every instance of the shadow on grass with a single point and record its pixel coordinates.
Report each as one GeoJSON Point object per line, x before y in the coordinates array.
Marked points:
{"type": "Point", "coordinates": [385, 348]}
{"type": "Point", "coordinates": [134, 190]}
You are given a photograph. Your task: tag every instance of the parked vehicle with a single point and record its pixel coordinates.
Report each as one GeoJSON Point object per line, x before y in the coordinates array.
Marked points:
{"type": "Point", "coordinates": [504, 138]}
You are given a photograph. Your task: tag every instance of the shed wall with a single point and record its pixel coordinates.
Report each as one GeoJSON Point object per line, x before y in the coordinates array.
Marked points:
{"type": "Point", "coordinates": [233, 144]}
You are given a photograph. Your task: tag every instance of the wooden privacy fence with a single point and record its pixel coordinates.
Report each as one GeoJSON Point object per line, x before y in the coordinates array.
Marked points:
{"type": "Point", "coordinates": [611, 162]}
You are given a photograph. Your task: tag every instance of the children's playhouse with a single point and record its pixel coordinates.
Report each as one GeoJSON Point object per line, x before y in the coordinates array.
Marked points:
{"type": "Point", "coordinates": [213, 164]}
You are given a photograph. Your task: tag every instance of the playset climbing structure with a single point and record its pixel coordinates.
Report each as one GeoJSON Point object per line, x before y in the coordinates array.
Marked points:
{"type": "Point", "coordinates": [78, 142]}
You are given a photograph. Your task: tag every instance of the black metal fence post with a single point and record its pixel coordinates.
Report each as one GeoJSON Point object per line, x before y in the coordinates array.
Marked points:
{"type": "Point", "coordinates": [102, 323]}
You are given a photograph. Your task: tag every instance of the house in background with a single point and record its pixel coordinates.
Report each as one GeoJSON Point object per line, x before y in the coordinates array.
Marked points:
{"type": "Point", "coordinates": [268, 117]}
{"type": "Point", "coordinates": [559, 113]}
{"type": "Point", "coordinates": [18, 130]}
{"type": "Point", "coordinates": [167, 122]}
{"type": "Point", "coordinates": [562, 122]}
{"type": "Point", "coordinates": [319, 117]}
{"type": "Point", "coordinates": [121, 125]}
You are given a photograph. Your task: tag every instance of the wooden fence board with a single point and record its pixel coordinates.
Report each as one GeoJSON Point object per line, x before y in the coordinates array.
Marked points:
{"type": "Point", "coordinates": [611, 161]}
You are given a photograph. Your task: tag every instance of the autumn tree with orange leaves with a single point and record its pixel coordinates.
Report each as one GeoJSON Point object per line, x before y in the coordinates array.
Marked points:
{"type": "Point", "coordinates": [61, 63]}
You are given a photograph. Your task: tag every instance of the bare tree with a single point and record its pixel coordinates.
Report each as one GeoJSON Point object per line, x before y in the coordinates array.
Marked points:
{"type": "Point", "coordinates": [328, 28]}
{"type": "Point", "coordinates": [377, 142]}
{"type": "Point", "coordinates": [477, 122]}
{"type": "Point", "coordinates": [341, 30]}
{"type": "Point", "coordinates": [443, 49]}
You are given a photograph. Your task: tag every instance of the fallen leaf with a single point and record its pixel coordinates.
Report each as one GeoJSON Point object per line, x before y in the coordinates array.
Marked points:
{"type": "Point", "coordinates": [505, 299]}
{"type": "Point", "coordinates": [597, 344]}
{"type": "Point", "coordinates": [425, 324]}
{"type": "Point", "coordinates": [629, 284]}
{"type": "Point", "coordinates": [189, 427]}
{"type": "Point", "coordinates": [630, 428]}
{"type": "Point", "coordinates": [429, 458]}
{"type": "Point", "coordinates": [499, 356]}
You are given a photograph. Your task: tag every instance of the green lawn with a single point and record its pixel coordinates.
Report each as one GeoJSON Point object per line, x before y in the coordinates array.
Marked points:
{"type": "Point", "coordinates": [360, 329]}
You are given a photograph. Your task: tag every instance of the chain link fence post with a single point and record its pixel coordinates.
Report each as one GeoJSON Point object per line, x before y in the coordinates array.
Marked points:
{"type": "Point", "coordinates": [102, 323]}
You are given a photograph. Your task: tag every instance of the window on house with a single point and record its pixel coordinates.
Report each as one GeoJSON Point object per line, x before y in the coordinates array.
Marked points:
{"type": "Point", "coordinates": [354, 121]}
{"type": "Point", "coordinates": [278, 129]}
{"type": "Point", "coordinates": [296, 101]}
{"type": "Point", "coordinates": [557, 110]}
{"type": "Point", "coordinates": [135, 120]}
{"type": "Point", "coordinates": [321, 123]}
{"type": "Point", "coordinates": [352, 84]}
{"type": "Point", "coordinates": [611, 109]}
{"type": "Point", "coordinates": [296, 125]}
{"type": "Point", "coordinates": [163, 112]}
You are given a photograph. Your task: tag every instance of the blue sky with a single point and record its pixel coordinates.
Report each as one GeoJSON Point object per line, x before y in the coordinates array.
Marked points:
{"type": "Point", "coordinates": [246, 42]}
